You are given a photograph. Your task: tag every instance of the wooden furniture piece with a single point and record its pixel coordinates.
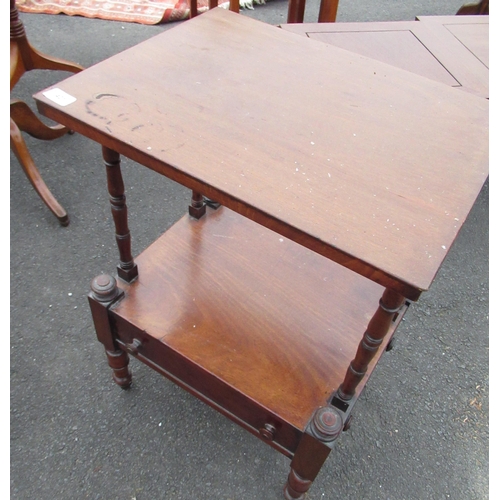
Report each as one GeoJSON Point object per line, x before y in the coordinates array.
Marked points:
{"type": "Point", "coordinates": [23, 57]}
{"type": "Point", "coordinates": [449, 49]}
{"type": "Point", "coordinates": [471, 31]}
{"type": "Point", "coordinates": [343, 183]}
{"type": "Point", "coordinates": [477, 8]}
{"type": "Point", "coordinates": [327, 11]}
{"type": "Point", "coordinates": [234, 6]}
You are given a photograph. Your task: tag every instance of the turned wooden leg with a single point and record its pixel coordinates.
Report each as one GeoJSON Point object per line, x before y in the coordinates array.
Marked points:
{"type": "Point", "coordinates": [315, 445]}
{"type": "Point", "coordinates": [21, 151]}
{"type": "Point", "coordinates": [127, 269]}
{"type": "Point", "coordinates": [379, 325]}
{"type": "Point", "coordinates": [118, 360]}
{"type": "Point", "coordinates": [197, 208]}
{"type": "Point", "coordinates": [104, 292]}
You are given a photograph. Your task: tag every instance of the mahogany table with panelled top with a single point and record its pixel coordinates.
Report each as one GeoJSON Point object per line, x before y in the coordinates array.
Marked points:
{"type": "Point", "coordinates": [342, 183]}
{"type": "Point", "coordinates": [449, 49]}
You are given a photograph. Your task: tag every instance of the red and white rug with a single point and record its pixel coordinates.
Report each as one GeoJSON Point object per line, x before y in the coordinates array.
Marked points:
{"type": "Point", "coordinates": [134, 11]}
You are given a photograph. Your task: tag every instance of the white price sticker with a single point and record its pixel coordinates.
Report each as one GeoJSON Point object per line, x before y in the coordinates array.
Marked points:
{"type": "Point", "coordinates": [59, 97]}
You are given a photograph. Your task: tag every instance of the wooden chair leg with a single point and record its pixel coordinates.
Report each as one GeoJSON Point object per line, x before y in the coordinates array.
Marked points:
{"type": "Point", "coordinates": [476, 8]}
{"type": "Point", "coordinates": [328, 11]}
{"type": "Point", "coordinates": [193, 8]}
{"type": "Point", "coordinates": [296, 9]}
{"type": "Point", "coordinates": [43, 61]}
{"type": "Point", "coordinates": [21, 151]}
{"type": "Point", "coordinates": [234, 6]}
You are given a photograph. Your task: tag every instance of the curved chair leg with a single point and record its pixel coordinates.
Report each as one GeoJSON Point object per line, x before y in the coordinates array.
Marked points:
{"type": "Point", "coordinates": [28, 122]}
{"type": "Point", "coordinates": [21, 151]}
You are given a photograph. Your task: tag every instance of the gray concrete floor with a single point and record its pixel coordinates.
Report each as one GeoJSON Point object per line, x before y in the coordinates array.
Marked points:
{"type": "Point", "coordinates": [420, 428]}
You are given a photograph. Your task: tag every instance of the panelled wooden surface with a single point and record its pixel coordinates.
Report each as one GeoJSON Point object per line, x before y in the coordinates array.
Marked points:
{"type": "Point", "coordinates": [271, 319]}
{"type": "Point", "coordinates": [472, 31]}
{"type": "Point", "coordinates": [366, 164]}
{"type": "Point", "coordinates": [449, 49]}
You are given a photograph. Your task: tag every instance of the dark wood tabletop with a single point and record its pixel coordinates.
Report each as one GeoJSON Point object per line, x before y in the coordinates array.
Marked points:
{"type": "Point", "coordinates": [367, 164]}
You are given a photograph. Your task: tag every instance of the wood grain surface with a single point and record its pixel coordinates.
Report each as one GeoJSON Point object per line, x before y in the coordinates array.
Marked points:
{"type": "Point", "coordinates": [271, 319]}
{"type": "Point", "coordinates": [449, 49]}
{"type": "Point", "coordinates": [364, 163]}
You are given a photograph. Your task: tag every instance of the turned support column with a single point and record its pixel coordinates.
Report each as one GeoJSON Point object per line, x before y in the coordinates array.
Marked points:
{"type": "Point", "coordinates": [118, 361]}
{"type": "Point", "coordinates": [104, 292]}
{"type": "Point", "coordinates": [315, 445]}
{"type": "Point", "coordinates": [127, 269]}
{"type": "Point", "coordinates": [390, 303]}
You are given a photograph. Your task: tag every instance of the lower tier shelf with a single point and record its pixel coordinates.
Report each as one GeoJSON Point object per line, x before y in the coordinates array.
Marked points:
{"type": "Point", "coordinates": [254, 324]}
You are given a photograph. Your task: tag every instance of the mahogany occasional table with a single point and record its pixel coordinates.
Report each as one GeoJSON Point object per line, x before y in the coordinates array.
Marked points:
{"type": "Point", "coordinates": [343, 183]}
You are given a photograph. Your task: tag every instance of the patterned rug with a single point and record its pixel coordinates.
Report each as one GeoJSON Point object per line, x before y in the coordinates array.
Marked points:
{"type": "Point", "coordinates": [134, 11]}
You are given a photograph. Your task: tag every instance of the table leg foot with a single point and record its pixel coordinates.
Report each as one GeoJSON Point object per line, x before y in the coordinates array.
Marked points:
{"type": "Point", "coordinates": [118, 360]}
{"type": "Point", "coordinates": [197, 208]}
{"type": "Point", "coordinates": [296, 486]}
{"type": "Point", "coordinates": [390, 345]}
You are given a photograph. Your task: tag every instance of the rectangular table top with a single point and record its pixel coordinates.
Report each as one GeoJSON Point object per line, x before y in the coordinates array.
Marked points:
{"type": "Point", "coordinates": [367, 164]}
{"type": "Point", "coordinates": [449, 49]}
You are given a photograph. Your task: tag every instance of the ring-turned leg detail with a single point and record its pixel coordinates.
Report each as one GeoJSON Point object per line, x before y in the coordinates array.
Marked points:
{"type": "Point", "coordinates": [296, 486]}
{"type": "Point", "coordinates": [390, 303]}
{"type": "Point", "coordinates": [127, 270]}
{"type": "Point", "coordinates": [118, 360]}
